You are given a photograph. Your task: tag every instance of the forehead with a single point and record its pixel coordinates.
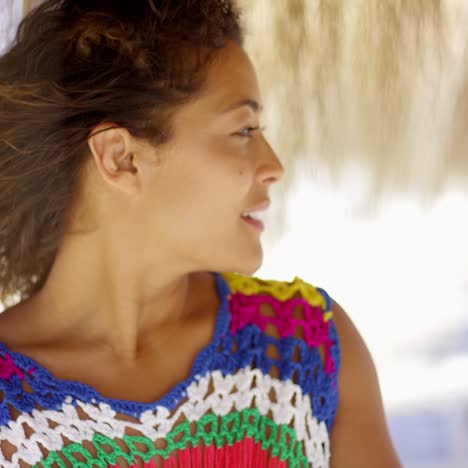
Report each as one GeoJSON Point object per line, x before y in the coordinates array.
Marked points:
{"type": "Point", "coordinates": [231, 78]}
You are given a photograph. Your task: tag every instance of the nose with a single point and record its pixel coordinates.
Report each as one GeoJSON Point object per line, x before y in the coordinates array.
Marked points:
{"type": "Point", "coordinates": [270, 167]}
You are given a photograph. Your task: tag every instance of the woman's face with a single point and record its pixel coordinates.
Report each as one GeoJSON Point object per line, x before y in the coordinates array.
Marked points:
{"type": "Point", "coordinates": [211, 171]}
{"type": "Point", "coordinates": [215, 171]}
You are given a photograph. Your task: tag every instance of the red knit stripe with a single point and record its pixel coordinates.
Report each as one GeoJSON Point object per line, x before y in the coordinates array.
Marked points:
{"type": "Point", "coordinates": [246, 453]}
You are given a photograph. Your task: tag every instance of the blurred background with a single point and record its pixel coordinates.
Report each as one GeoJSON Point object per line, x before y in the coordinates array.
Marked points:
{"type": "Point", "coordinates": [366, 104]}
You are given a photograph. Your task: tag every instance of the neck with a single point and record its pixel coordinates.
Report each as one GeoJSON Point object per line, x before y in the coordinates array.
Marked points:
{"type": "Point", "coordinates": [92, 296]}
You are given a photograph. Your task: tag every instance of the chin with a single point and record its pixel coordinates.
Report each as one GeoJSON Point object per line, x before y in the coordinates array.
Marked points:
{"type": "Point", "coordinates": [249, 267]}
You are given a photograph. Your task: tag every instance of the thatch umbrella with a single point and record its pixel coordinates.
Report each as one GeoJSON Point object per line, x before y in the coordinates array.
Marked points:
{"type": "Point", "coordinates": [382, 84]}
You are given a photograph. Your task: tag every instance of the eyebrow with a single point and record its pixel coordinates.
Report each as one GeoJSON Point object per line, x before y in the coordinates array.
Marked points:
{"type": "Point", "coordinates": [252, 103]}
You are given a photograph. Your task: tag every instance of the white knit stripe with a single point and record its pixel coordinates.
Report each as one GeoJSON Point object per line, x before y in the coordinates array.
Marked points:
{"type": "Point", "coordinates": [158, 423]}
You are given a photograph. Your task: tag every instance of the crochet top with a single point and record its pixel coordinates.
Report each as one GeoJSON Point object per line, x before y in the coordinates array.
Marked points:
{"type": "Point", "coordinates": [262, 393]}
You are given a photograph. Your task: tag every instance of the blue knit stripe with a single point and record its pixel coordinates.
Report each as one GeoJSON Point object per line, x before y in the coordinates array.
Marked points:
{"type": "Point", "coordinates": [50, 392]}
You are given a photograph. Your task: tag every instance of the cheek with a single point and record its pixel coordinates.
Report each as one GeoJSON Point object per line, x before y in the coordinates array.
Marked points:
{"type": "Point", "coordinates": [235, 167]}
{"type": "Point", "coordinates": [213, 200]}
{"type": "Point", "coordinates": [213, 178]}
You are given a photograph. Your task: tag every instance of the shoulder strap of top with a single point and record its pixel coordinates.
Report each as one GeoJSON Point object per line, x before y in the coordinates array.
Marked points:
{"type": "Point", "coordinates": [312, 331]}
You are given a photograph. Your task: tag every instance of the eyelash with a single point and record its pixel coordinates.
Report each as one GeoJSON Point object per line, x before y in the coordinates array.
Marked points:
{"type": "Point", "coordinates": [250, 129]}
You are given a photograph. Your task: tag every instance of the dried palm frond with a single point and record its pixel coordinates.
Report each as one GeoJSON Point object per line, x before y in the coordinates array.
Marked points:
{"type": "Point", "coordinates": [382, 84]}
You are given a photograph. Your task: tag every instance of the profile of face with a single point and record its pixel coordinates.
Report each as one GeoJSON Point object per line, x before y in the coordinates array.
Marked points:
{"type": "Point", "coordinates": [184, 210]}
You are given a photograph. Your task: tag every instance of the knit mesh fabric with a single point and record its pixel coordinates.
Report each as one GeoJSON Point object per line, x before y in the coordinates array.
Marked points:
{"type": "Point", "coordinates": [262, 393]}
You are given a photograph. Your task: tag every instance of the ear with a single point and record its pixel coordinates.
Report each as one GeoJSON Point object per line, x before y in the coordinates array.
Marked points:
{"type": "Point", "coordinates": [112, 151]}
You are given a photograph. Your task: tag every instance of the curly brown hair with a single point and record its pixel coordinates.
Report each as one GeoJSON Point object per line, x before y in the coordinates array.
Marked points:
{"type": "Point", "coordinates": [72, 65]}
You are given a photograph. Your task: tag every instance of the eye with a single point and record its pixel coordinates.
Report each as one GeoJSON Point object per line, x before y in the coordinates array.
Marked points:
{"type": "Point", "coordinates": [249, 130]}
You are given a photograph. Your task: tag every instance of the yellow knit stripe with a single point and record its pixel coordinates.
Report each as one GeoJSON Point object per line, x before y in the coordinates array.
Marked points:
{"type": "Point", "coordinates": [281, 290]}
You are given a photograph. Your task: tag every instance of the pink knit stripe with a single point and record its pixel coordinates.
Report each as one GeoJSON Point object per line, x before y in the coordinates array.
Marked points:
{"type": "Point", "coordinates": [245, 310]}
{"type": "Point", "coordinates": [8, 368]}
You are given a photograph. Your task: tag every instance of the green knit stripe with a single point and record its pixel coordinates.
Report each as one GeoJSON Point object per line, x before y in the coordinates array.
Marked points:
{"type": "Point", "coordinates": [212, 429]}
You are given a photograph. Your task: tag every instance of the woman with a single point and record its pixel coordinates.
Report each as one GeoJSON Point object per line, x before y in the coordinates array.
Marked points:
{"type": "Point", "coordinates": [131, 154]}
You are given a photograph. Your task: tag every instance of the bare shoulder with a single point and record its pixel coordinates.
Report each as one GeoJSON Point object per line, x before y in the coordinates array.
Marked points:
{"type": "Point", "coordinates": [360, 435]}
{"type": "Point", "coordinates": [18, 325]}
{"type": "Point", "coordinates": [10, 323]}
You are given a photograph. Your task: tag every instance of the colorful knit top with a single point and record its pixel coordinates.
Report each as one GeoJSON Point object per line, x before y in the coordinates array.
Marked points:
{"type": "Point", "coordinates": [262, 393]}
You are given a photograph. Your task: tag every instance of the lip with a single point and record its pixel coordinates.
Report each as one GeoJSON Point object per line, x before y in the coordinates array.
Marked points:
{"type": "Point", "coordinates": [255, 223]}
{"type": "Point", "coordinates": [261, 206]}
